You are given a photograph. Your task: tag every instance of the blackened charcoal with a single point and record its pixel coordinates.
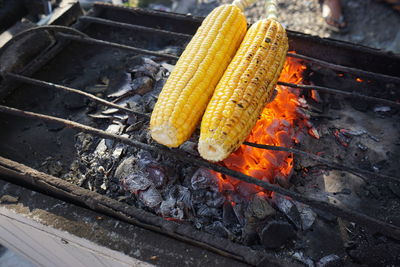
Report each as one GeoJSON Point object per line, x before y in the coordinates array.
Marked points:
{"type": "Point", "coordinates": [330, 261]}
{"type": "Point", "coordinates": [181, 194]}
{"type": "Point", "coordinates": [217, 228]}
{"type": "Point", "coordinates": [171, 209]}
{"type": "Point", "coordinates": [228, 214]}
{"type": "Point", "coordinates": [307, 215]}
{"type": "Point", "coordinates": [206, 211]}
{"type": "Point", "coordinates": [142, 85]}
{"type": "Point", "coordinates": [246, 190]}
{"type": "Point", "coordinates": [150, 197]}
{"type": "Point", "coordinates": [136, 181]}
{"type": "Point", "coordinates": [144, 158]}
{"type": "Point", "coordinates": [239, 209]}
{"type": "Point", "coordinates": [276, 233]}
{"type": "Point", "coordinates": [299, 256]}
{"type": "Point", "coordinates": [259, 208]}
{"type": "Point", "coordinates": [157, 174]}
{"type": "Point", "coordinates": [198, 196]}
{"type": "Point", "coordinates": [133, 102]}
{"type": "Point", "coordinates": [167, 206]}
{"type": "Point", "coordinates": [204, 179]}
{"type": "Point", "coordinates": [288, 207]}
{"type": "Point", "coordinates": [119, 84]}
{"type": "Point", "coordinates": [126, 167]}
{"type": "Point", "coordinates": [147, 68]}
{"type": "Point", "coordinates": [214, 199]}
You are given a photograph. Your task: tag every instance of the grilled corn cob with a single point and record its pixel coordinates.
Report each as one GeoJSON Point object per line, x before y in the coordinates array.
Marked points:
{"type": "Point", "coordinates": [192, 82]}
{"type": "Point", "coordinates": [246, 86]}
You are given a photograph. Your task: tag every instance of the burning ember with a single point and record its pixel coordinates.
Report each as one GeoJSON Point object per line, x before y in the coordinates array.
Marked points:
{"type": "Point", "coordinates": [281, 124]}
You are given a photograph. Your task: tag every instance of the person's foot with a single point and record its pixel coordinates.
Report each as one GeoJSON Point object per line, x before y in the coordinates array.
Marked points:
{"type": "Point", "coordinates": [332, 13]}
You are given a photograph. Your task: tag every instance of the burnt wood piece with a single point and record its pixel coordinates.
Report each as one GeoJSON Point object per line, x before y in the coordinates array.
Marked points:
{"type": "Point", "coordinates": [348, 214]}
{"type": "Point", "coordinates": [95, 201]}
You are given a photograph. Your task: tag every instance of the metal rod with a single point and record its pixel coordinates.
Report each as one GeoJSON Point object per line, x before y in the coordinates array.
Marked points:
{"type": "Point", "coordinates": [49, 85]}
{"type": "Point", "coordinates": [326, 162]}
{"type": "Point", "coordinates": [354, 216]}
{"type": "Point", "coordinates": [132, 26]}
{"type": "Point", "coordinates": [341, 92]}
{"type": "Point", "coordinates": [89, 40]}
{"type": "Point", "coordinates": [346, 69]}
{"type": "Point", "coordinates": [307, 87]}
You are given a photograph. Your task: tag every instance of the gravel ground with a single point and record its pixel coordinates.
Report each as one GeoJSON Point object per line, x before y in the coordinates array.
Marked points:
{"type": "Point", "coordinates": [371, 23]}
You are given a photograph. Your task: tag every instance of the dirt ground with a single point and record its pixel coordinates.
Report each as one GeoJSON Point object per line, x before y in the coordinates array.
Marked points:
{"type": "Point", "coordinates": [370, 22]}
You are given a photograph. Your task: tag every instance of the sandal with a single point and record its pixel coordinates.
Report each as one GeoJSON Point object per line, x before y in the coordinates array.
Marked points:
{"type": "Point", "coordinates": [334, 24]}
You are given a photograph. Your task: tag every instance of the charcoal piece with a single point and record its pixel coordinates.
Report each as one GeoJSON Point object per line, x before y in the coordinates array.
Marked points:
{"type": "Point", "coordinates": [144, 159]}
{"type": "Point", "coordinates": [136, 181]}
{"type": "Point", "coordinates": [181, 194]}
{"type": "Point", "coordinates": [142, 85]}
{"type": "Point", "coordinates": [214, 199]}
{"type": "Point", "coordinates": [167, 66]}
{"type": "Point", "coordinates": [246, 190]}
{"type": "Point", "coordinates": [382, 109]}
{"type": "Point", "coordinates": [190, 147]}
{"type": "Point", "coordinates": [170, 209]}
{"type": "Point", "coordinates": [157, 174]}
{"type": "Point", "coordinates": [198, 196]}
{"type": "Point", "coordinates": [147, 68]}
{"type": "Point", "coordinates": [217, 228]}
{"type": "Point", "coordinates": [249, 233]}
{"type": "Point", "coordinates": [119, 84]}
{"type": "Point", "coordinates": [126, 167]}
{"type": "Point", "coordinates": [288, 207]}
{"type": "Point", "coordinates": [276, 233]}
{"type": "Point", "coordinates": [239, 208]}
{"type": "Point", "coordinates": [259, 208]}
{"type": "Point", "coordinates": [134, 102]}
{"type": "Point", "coordinates": [228, 214]}
{"type": "Point", "coordinates": [330, 261]}
{"type": "Point", "coordinates": [150, 197]}
{"type": "Point", "coordinates": [299, 256]}
{"type": "Point", "coordinates": [206, 211]}
{"type": "Point", "coordinates": [307, 215]}
{"type": "Point", "coordinates": [395, 188]}
{"type": "Point", "coordinates": [204, 179]}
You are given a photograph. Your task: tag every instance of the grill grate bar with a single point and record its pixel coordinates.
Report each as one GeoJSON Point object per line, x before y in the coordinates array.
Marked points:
{"type": "Point", "coordinates": [71, 90]}
{"type": "Point", "coordinates": [348, 214]}
{"type": "Point", "coordinates": [341, 92]}
{"type": "Point", "coordinates": [324, 161]}
{"type": "Point", "coordinates": [377, 76]}
{"type": "Point", "coordinates": [89, 40]}
{"type": "Point", "coordinates": [122, 25]}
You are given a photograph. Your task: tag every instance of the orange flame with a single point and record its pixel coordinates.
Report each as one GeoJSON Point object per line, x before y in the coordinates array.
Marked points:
{"type": "Point", "coordinates": [280, 124]}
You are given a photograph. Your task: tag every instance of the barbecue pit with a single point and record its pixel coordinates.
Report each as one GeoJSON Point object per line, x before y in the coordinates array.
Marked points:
{"type": "Point", "coordinates": [339, 203]}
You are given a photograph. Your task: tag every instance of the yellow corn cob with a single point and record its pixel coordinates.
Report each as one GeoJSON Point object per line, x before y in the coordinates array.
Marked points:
{"type": "Point", "coordinates": [192, 82]}
{"type": "Point", "coordinates": [240, 96]}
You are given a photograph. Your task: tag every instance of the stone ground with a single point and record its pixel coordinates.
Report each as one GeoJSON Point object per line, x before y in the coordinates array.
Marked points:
{"type": "Point", "coordinates": [371, 23]}
{"type": "Point", "coordinates": [9, 259]}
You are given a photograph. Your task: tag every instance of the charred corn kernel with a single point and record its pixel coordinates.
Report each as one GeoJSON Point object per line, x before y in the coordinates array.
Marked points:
{"type": "Point", "coordinates": [191, 84]}
{"type": "Point", "coordinates": [240, 96]}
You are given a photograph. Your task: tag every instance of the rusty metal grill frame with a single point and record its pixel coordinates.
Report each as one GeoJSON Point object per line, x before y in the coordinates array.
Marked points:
{"type": "Point", "coordinates": [15, 169]}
